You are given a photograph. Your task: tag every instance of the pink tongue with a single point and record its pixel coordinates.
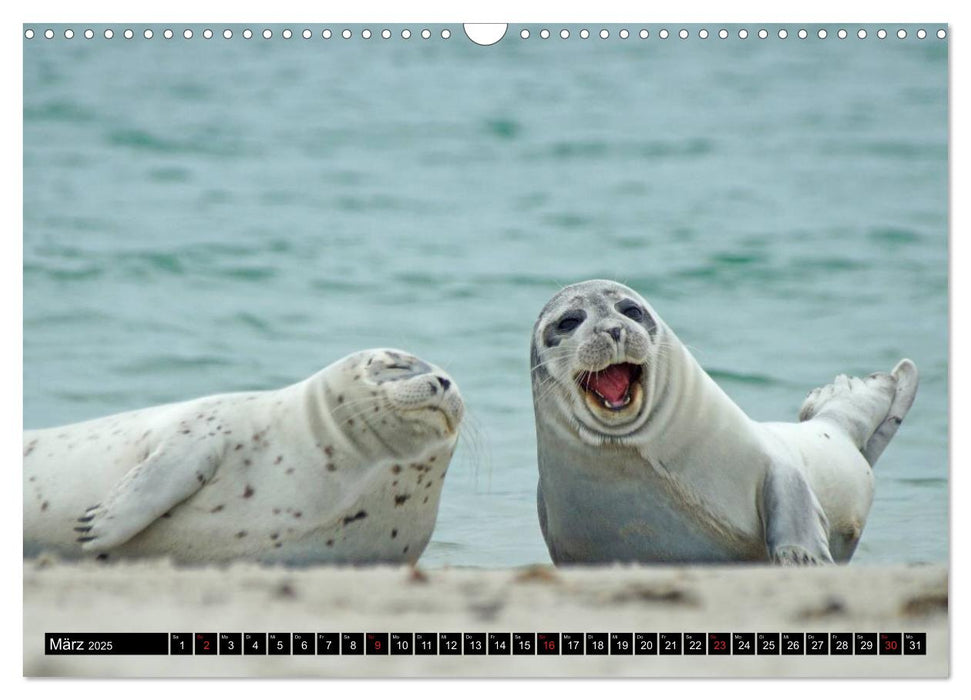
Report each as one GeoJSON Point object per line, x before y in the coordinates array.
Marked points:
{"type": "Point", "coordinates": [611, 383]}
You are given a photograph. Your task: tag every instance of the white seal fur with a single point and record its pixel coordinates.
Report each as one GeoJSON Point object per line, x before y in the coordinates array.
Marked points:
{"type": "Point", "coordinates": [643, 458]}
{"type": "Point", "coordinates": [344, 467]}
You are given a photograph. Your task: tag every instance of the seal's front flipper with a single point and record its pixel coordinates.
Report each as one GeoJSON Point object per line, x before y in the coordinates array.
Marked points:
{"type": "Point", "coordinates": [175, 470]}
{"type": "Point", "coordinates": [796, 529]}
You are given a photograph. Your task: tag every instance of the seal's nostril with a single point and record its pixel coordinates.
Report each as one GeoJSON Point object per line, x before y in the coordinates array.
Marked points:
{"type": "Point", "coordinates": [615, 333]}
{"type": "Point", "coordinates": [444, 382]}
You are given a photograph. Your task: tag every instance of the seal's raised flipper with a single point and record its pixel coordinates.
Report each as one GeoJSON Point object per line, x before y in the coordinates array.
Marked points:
{"type": "Point", "coordinates": [905, 376]}
{"type": "Point", "coordinates": [175, 470]}
{"type": "Point", "coordinates": [869, 409]}
{"type": "Point", "coordinates": [796, 529]}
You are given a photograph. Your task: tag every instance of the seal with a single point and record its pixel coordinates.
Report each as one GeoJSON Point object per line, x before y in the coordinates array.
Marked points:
{"type": "Point", "coordinates": [344, 467]}
{"type": "Point", "coordinates": [643, 457]}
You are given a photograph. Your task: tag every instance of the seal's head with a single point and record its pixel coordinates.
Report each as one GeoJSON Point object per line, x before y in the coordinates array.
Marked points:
{"type": "Point", "coordinates": [591, 352]}
{"type": "Point", "coordinates": [396, 396]}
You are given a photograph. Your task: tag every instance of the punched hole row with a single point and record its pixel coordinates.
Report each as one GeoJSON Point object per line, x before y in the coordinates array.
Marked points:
{"type": "Point", "coordinates": [523, 34]}
{"type": "Point", "coordinates": [245, 34]}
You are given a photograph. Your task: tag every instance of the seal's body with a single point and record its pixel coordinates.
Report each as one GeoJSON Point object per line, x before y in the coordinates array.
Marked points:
{"type": "Point", "coordinates": [344, 467]}
{"type": "Point", "coordinates": [643, 458]}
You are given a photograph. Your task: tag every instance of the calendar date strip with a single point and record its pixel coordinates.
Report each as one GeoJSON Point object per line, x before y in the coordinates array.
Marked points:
{"type": "Point", "coordinates": [487, 643]}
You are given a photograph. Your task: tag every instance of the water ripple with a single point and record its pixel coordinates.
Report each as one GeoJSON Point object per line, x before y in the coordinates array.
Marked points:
{"type": "Point", "coordinates": [162, 364]}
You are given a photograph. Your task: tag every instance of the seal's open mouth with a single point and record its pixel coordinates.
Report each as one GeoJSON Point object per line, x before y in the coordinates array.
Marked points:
{"type": "Point", "coordinates": [613, 386]}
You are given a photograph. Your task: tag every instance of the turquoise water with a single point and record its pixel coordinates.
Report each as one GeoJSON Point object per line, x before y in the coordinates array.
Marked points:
{"type": "Point", "coordinates": [210, 216]}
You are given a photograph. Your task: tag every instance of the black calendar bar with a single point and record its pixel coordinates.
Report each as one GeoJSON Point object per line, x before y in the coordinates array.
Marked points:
{"type": "Point", "coordinates": [651, 644]}
{"type": "Point", "coordinates": [134, 643]}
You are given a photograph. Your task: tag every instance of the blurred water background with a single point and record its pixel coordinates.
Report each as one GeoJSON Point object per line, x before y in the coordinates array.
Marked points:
{"type": "Point", "coordinates": [206, 216]}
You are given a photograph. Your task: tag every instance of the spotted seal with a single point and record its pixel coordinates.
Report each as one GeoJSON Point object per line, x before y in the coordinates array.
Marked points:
{"type": "Point", "coordinates": [643, 457]}
{"type": "Point", "coordinates": [344, 467]}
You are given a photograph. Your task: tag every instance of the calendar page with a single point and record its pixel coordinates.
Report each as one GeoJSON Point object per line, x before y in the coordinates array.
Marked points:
{"type": "Point", "coordinates": [510, 350]}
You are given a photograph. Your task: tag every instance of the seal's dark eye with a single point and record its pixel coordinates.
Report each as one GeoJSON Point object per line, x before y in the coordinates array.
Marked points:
{"type": "Point", "coordinates": [569, 322]}
{"type": "Point", "coordinates": [631, 311]}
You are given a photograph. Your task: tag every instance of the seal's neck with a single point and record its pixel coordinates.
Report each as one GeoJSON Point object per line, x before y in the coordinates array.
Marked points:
{"type": "Point", "coordinates": [340, 415]}
{"type": "Point", "coordinates": [684, 403]}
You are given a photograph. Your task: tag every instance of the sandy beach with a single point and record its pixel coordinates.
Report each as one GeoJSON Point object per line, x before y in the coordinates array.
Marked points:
{"type": "Point", "coordinates": [160, 597]}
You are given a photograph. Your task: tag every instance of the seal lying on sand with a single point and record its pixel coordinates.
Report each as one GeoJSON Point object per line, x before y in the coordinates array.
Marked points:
{"type": "Point", "coordinates": [344, 467]}
{"type": "Point", "coordinates": [643, 458]}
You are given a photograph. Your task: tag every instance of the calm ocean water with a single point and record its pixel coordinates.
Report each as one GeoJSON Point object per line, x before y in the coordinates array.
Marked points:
{"type": "Point", "coordinates": [211, 216]}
